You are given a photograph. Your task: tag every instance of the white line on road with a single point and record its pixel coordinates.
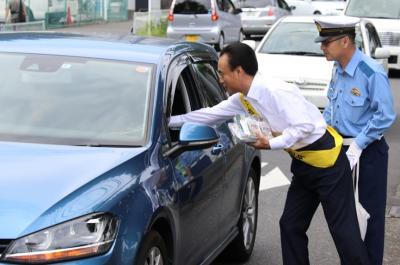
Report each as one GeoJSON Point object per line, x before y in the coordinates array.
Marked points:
{"type": "Point", "coordinates": [274, 178]}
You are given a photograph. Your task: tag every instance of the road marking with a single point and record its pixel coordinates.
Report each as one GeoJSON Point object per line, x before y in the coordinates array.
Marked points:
{"type": "Point", "coordinates": [263, 165]}
{"type": "Point", "coordinates": [274, 178]}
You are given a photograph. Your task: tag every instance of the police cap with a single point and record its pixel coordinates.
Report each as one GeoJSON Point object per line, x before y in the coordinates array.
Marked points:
{"type": "Point", "coordinates": [330, 26]}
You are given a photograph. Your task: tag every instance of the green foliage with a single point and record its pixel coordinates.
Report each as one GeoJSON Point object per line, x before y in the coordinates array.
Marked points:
{"type": "Point", "coordinates": [154, 28]}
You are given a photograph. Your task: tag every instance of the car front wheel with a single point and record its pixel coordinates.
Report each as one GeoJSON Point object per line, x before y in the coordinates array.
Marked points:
{"type": "Point", "coordinates": [242, 246]}
{"type": "Point", "coordinates": [153, 250]}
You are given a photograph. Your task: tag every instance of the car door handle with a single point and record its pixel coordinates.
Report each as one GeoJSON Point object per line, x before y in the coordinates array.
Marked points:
{"type": "Point", "coordinates": [217, 149]}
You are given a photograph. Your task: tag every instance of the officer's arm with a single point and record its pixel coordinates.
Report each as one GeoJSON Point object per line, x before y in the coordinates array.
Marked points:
{"type": "Point", "coordinates": [384, 114]}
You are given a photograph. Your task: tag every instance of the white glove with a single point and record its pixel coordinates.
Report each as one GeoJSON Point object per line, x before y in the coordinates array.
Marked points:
{"type": "Point", "coordinates": [353, 154]}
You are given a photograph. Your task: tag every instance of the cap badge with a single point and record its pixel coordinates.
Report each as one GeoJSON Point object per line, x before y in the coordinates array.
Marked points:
{"type": "Point", "coordinates": [356, 92]}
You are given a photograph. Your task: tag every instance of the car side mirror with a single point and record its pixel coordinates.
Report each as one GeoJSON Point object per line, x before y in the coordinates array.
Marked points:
{"type": "Point", "coordinates": [237, 11]}
{"type": "Point", "coordinates": [381, 53]}
{"type": "Point", "coordinates": [194, 136]}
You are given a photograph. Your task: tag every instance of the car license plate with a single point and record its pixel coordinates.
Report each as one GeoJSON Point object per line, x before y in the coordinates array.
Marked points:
{"type": "Point", "coordinates": [192, 38]}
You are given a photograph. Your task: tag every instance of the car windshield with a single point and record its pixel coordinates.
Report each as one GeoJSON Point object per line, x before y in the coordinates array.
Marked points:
{"type": "Point", "coordinates": [73, 101]}
{"type": "Point", "coordinates": [252, 3]}
{"type": "Point", "coordinates": [192, 7]}
{"type": "Point", "coordinates": [293, 38]}
{"type": "Point", "coordinates": [389, 9]}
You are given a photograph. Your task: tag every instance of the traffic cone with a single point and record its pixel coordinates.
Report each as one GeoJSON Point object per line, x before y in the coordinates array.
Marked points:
{"type": "Point", "coordinates": [69, 19]}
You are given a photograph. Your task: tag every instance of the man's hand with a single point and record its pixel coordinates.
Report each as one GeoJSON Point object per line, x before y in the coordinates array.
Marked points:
{"type": "Point", "coordinates": [353, 154]}
{"type": "Point", "coordinates": [261, 143]}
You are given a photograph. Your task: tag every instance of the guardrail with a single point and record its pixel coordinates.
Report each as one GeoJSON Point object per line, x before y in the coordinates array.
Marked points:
{"type": "Point", "coordinates": [26, 26]}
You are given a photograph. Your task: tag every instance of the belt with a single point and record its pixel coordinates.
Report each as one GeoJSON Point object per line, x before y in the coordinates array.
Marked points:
{"type": "Point", "coordinates": [320, 158]}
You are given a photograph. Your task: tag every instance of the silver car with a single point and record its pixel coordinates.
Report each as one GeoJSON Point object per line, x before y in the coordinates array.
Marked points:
{"type": "Point", "coordinates": [215, 22]}
{"type": "Point", "coordinates": [258, 16]}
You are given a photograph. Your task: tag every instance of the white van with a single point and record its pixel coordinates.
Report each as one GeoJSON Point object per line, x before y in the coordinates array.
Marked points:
{"type": "Point", "coordinates": [385, 15]}
{"type": "Point", "coordinates": [39, 8]}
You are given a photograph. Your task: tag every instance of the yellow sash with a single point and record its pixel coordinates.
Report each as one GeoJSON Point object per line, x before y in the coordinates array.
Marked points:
{"type": "Point", "coordinates": [320, 158]}
{"type": "Point", "coordinates": [248, 107]}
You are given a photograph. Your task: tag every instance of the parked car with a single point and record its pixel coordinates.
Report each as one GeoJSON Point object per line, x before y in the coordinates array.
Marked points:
{"type": "Point", "coordinates": [328, 7]}
{"type": "Point", "coordinates": [385, 15]}
{"type": "Point", "coordinates": [91, 173]}
{"type": "Point", "coordinates": [301, 7]}
{"type": "Point", "coordinates": [289, 52]}
{"type": "Point", "coordinates": [216, 22]}
{"type": "Point", "coordinates": [258, 16]}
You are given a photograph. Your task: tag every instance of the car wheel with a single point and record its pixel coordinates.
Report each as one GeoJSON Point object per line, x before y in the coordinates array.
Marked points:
{"type": "Point", "coordinates": [242, 246]}
{"type": "Point", "coordinates": [317, 13]}
{"type": "Point", "coordinates": [221, 43]}
{"type": "Point", "coordinates": [153, 250]}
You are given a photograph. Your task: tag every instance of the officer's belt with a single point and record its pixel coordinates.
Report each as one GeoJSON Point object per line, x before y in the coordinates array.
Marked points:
{"type": "Point", "coordinates": [316, 158]}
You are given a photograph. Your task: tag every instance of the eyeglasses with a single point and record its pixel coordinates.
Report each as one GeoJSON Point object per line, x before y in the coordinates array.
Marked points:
{"type": "Point", "coordinates": [326, 42]}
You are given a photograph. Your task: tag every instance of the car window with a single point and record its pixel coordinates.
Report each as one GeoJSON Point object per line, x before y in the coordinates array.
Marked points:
{"type": "Point", "coordinates": [225, 6]}
{"type": "Point", "coordinates": [192, 7]}
{"type": "Point", "coordinates": [374, 40]}
{"type": "Point", "coordinates": [75, 101]}
{"type": "Point", "coordinates": [208, 80]}
{"type": "Point", "coordinates": [293, 38]}
{"type": "Point", "coordinates": [374, 9]}
{"type": "Point", "coordinates": [253, 3]}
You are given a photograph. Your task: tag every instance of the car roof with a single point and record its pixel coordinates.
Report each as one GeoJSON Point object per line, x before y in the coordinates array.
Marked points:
{"type": "Point", "coordinates": [308, 19]}
{"type": "Point", "coordinates": [126, 48]}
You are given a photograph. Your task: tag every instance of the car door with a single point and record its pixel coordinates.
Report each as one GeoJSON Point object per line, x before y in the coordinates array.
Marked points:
{"type": "Point", "coordinates": [199, 177]}
{"type": "Point", "coordinates": [284, 9]}
{"type": "Point", "coordinates": [230, 20]}
{"type": "Point", "coordinates": [234, 154]}
{"type": "Point", "coordinates": [372, 41]}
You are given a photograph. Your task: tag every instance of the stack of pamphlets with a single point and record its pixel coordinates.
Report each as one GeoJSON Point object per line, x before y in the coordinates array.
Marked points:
{"type": "Point", "coordinates": [245, 128]}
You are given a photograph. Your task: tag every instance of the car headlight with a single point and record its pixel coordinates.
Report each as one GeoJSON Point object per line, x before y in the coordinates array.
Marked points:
{"type": "Point", "coordinates": [85, 236]}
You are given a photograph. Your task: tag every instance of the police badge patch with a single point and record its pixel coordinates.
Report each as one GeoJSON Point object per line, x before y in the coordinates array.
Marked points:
{"type": "Point", "coordinates": [356, 92]}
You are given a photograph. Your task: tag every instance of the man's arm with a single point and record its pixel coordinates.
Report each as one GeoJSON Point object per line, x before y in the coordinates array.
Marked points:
{"type": "Point", "coordinates": [211, 116]}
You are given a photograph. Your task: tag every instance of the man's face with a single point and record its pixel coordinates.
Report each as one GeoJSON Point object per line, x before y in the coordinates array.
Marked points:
{"type": "Point", "coordinates": [332, 47]}
{"type": "Point", "coordinates": [228, 78]}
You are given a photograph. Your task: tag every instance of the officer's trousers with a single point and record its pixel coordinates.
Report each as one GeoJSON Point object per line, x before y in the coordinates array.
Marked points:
{"type": "Point", "coordinates": [372, 193]}
{"type": "Point", "coordinates": [332, 187]}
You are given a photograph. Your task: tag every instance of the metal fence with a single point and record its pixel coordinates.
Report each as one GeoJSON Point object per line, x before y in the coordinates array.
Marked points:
{"type": "Point", "coordinates": [64, 13]}
{"type": "Point", "coordinates": [153, 23]}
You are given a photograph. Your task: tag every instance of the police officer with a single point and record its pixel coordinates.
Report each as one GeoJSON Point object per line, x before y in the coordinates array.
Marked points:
{"type": "Point", "coordinates": [360, 108]}
{"type": "Point", "coordinates": [319, 164]}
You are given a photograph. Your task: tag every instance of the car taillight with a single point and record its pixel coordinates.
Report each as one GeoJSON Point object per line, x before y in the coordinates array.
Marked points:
{"type": "Point", "coordinates": [214, 15]}
{"type": "Point", "coordinates": [270, 12]}
{"type": "Point", "coordinates": [170, 16]}
{"type": "Point", "coordinates": [171, 11]}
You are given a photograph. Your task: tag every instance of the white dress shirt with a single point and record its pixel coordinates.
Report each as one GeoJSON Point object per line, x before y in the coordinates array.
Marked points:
{"type": "Point", "coordinates": [288, 113]}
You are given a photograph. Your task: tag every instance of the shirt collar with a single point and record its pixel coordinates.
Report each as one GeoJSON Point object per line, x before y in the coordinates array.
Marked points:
{"type": "Point", "coordinates": [352, 65]}
{"type": "Point", "coordinates": [254, 91]}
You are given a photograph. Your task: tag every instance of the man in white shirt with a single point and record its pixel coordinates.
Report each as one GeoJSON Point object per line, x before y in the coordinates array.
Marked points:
{"type": "Point", "coordinates": [318, 177]}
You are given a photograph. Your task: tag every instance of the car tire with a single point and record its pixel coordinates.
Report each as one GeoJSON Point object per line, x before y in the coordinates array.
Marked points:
{"type": "Point", "coordinates": [241, 36]}
{"type": "Point", "coordinates": [240, 249]}
{"type": "Point", "coordinates": [221, 43]}
{"type": "Point", "coordinates": [317, 13]}
{"type": "Point", "coordinates": [153, 250]}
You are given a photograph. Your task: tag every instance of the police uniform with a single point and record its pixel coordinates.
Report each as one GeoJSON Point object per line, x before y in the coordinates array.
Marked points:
{"type": "Point", "coordinates": [302, 131]}
{"type": "Point", "coordinates": [361, 107]}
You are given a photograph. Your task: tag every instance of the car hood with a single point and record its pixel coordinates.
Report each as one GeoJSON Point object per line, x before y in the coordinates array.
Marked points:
{"type": "Point", "coordinates": [34, 177]}
{"type": "Point", "coordinates": [293, 67]}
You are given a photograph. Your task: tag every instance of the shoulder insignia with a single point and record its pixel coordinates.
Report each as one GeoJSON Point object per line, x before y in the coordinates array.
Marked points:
{"type": "Point", "coordinates": [366, 69]}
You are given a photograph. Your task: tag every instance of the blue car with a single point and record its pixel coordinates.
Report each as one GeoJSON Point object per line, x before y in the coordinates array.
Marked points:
{"type": "Point", "coordinates": [90, 173]}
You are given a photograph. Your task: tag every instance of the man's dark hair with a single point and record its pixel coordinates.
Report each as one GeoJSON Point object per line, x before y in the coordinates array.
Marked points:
{"type": "Point", "coordinates": [240, 54]}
